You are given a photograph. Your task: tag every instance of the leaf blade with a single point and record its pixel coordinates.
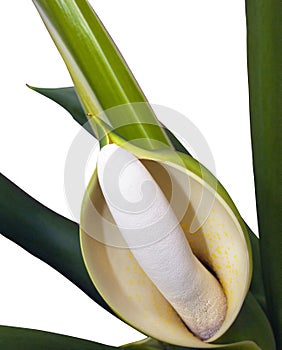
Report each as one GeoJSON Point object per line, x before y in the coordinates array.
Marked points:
{"type": "Point", "coordinates": [12, 338]}
{"type": "Point", "coordinates": [264, 50]}
{"type": "Point", "coordinates": [45, 234]}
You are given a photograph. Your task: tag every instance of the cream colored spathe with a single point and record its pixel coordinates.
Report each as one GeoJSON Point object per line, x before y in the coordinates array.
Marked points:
{"type": "Point", "coordinates": [221, 244]}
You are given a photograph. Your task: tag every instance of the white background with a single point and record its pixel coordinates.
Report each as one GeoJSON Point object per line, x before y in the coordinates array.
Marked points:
{"type": "Point", "coordinates": [187, 55]}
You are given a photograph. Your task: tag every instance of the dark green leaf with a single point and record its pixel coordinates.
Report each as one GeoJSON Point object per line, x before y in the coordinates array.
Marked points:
{"type": "Point", "coordinates": [264, 33]}
{"type": "Point", "coordinates": [257, 285]}
{"type": "Point", "coordinates": [13, 338]}
{"type": "Point", "coordinates": [251, 324]}
{"type": "Point", "coordinates": [68, 99]}
{"type": "Point", "coordinates": [45, 234]}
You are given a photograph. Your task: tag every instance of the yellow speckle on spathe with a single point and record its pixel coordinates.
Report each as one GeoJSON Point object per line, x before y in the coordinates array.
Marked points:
{"type": "Point", "coordinates": [217, 235]}
{"type": "Point", "coordinates": [153, 295]}
{"type": "Point", "coordinates": [214, 256]}
{"type": "Point", "coordinates": [228, 266]}
{"type": "Point", "coordinates": [231, 292]}
{"type": "Point", "coordinates": [127, 268]}
{"type": "Point", "coordinates": [160, 314]}
{"type": "Point", "coordinates": [138, 297]}
{"type": "Point", "coordinates": [169, 321]}
{"type": "Point", "coordinates": [218, 250]}
{"type": "Point", "coordinates": [226, 234]}
{"type": "Point", "coordinates": [131, 282]}
{"type": "Point", "coordinates": [224, 285]}
{"type": "Point", "coordinates": [145, 308]}
{"type": "Point", "coordinates": [217, 267]}
{"type": "Point", "coordinates": [230, 280]}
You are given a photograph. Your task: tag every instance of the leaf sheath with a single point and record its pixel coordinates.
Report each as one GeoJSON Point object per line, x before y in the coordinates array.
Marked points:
{"type": "Point", "coordinates": [102, 78]}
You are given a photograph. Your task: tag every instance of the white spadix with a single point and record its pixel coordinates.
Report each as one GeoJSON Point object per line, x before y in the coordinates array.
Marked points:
{"type": "Point", "coordinates": [152, 232]}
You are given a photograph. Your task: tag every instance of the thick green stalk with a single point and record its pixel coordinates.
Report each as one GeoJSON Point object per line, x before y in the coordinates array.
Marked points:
{"type": "Point", "coordinates": [264, 34]}
{"type": "Point", "coordinates": [45, 234]}
{"type": "Point", "coordinates": [101, 77]}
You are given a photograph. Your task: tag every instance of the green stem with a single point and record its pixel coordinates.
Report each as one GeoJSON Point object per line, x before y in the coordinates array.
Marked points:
{"type": "Point", "coordinates": [264, 33]}
{"type": "Point", "coordinates": [102, 79]}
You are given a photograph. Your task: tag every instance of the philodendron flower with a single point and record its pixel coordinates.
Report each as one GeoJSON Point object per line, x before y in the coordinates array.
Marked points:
{"type": "Point", "coordinates": [167, 260]}
{"type": "Point", "coordinates": [169, 282]}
